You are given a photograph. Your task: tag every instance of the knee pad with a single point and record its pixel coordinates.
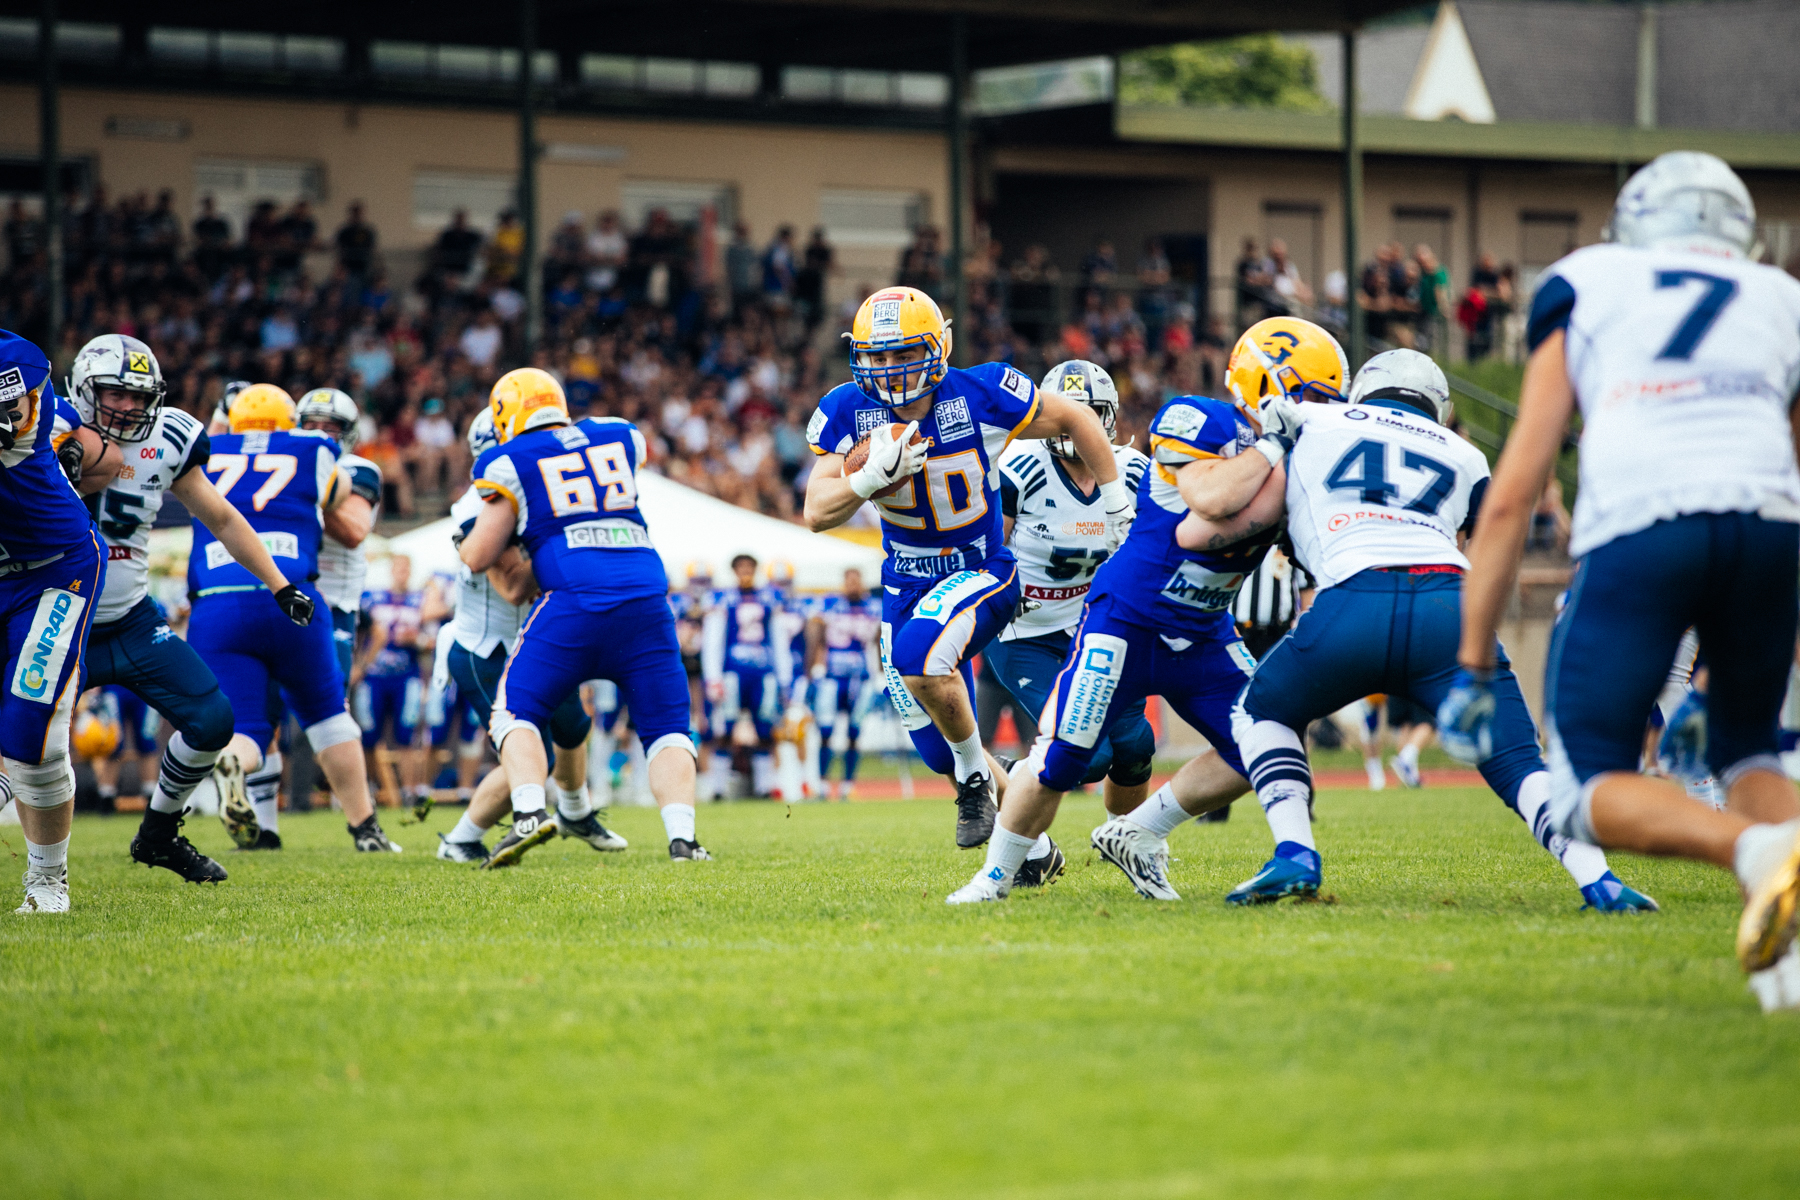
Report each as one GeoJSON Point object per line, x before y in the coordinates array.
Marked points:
{"type": "Point", "coordinates": [503, 724]}
{"type": "Point", "coordinates": [49, 784]}
{"type": "Point", "coordinates": [1134, 753]}
{"type": "Point", "coordinates": [333, 731]}
{"type": "Point", "coordinates": [1744, 766]}
{"type": "Point", "coordinates": [570, 724]}
{"type": "Point", "coordinates": [210, 728]}
{"type": "Point", "coordinates": [670, 741]}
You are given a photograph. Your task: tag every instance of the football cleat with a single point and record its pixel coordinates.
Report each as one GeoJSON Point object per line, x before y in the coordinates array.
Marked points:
{"type": "Point", "coordinates": [975, 811]}
{"type": "Point", "coordinates": [369, 837]}
{"type": "Point", "coordinates": [1142, 855]}
{"type": "Point", "coordinates": [45, 891]}
{"type": "Point", "coordinates": [235, 810]}
{"type": "Point", "coordinates": [1042, 871]}
{"type": "Point", "coordinates": [590, 830]}
{"type": "Point", "coordinates": [1609, 894]}
{"type": "Point", "coordinates": [682, 850]}
{"type": "Point", "coordinates": [1377, 776]}
{"type": "Point", "coordinates": [461, 852]}
{"type": "Point", "coordinates": [167, 848]}
{"type": "Point", "coordinates": [1766, 929]}
{"type": "Point", "coordinates": [1778, 987]}
{"type": "Point", "coordinates": [268, 839]}
{"type": "Point", "coordinates": [1287, 874]}
{"type": "Point", "coordinates": [528, 829]}
{"type": "Point", "coordinates": [988, 885]}
{"type": "Point", "coordinates": [1407, 773]}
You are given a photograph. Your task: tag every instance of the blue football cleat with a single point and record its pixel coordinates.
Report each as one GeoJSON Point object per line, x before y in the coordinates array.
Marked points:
{"type": "Point", "coordinates": [1609, 894]}
{"type": "Point", "coordinates": [1294, 871]}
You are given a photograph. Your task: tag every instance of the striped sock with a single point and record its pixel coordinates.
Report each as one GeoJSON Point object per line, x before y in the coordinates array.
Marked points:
{"type": "Point", "coordinates": [180, 772]}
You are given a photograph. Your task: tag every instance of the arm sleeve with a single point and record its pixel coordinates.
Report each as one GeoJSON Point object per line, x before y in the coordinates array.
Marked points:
{"type": "Point", "coordinates": [1551, 308]}
{"type": "Point", "coordinates": [1476, 495]}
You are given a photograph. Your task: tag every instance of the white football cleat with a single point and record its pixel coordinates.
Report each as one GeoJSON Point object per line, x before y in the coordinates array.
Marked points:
{"type": "Point", "coordinates": [1140, 854]}
{"type": "Point", "coordinates": [45, 891]}
{"type": "Point", "coordinates": [1779, 987]}
{"type": "Point", "coordinates": [987, 885]}
{"type": "Point", "coordinates": [1376, 773]}
{"type": "Point", "coordinates": [1772, 882]}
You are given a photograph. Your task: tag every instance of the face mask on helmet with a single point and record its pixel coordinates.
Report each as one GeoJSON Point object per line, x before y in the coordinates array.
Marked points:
{"type": "Point", "coordinates": [118, 384]}
{"type": "Point", "coordinates": [331, 411]}
{"type": "Point", "coordinates": [899, 346]}
{"type": "Point", "coordinates": [1085, 383]}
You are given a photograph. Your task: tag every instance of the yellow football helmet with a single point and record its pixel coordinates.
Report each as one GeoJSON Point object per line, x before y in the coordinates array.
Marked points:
{"type": "Point", "coordinates": [1286, 356]}
{"type": "Point", "coordinates": [899, 318]}
{"type": "Point", "coordinates": [95, 735]}
{"type": "Point", "coordinates": [262, 408]}
{"type": "Point", "coordinates": [527, 399]}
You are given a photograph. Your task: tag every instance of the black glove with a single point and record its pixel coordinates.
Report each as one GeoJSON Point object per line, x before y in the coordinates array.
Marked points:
{"type": "Point", "coordinates": [71, 456]}
{"type": "Point", "coordinates": [296, 604]}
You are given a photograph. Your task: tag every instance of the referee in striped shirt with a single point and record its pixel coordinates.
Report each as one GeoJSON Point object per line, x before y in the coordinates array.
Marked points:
{"type": "Point", "coordinates": [1268, 602]}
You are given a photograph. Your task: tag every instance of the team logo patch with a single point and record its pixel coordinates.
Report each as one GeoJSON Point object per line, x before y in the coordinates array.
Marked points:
{"type": "Point", "coordinates": [1193, 586]}
{"type": "Point", "coordinates": [815, 428]}
{"type": "Point", "coordinates": [940, 602]}
{"type": "Point", "coordinates": [869, 419]}
{"type": "Point", "coordinates": [953, 420]}
{"type": "Point", "coordinates": [1098, 666]}
{"type": "Point", "coordinates": [1016, 383]}
{"type": "Point", "coordinates": [1180, 421]}
{"type": "Point", "coordinates": [1356, 414]}
{"type": "Point", "coordinates": [12, 385]}
{"type": "Point", "coordinates": [885, 315]}
{"type": "Point", "coordinates": [1074, 384]}
{"type": "Point", "coordinates": [137, 362]}
{"type": "Point", "coordinates": [46, 648]}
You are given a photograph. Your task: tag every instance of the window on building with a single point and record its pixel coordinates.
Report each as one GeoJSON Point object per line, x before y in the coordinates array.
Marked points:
{"type": "Point", "coordinates": [484, 195]}
{"type": "Point", "coordinates": [683, 201]}
{"type": "Point", "coordinates": [1300, 226]}
{"type": "Point", "coordinates": [1426, 226]}
{"type": "Point", "coordinates": [1544, 237]}
{"type": "Point", "coordinates": [811, 84]}
{"type": "Point", "coordinates": [248, 51]}
{"type": "Point", "coordinates": [730, 79]}
{"type": "Point", "coordinates": [867, 217]}
{"type": "Point", "coordinates": [238, 185]}
{"type": "Point", "coordinates": [80, 41]}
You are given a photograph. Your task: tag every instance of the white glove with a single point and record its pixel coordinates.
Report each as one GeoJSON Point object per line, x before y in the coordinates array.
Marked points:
{"type": "Point", "coordinates": [891, 459]}
{"type": "Point", "coordinates": [1281, 421]}
{"type": "Point", "coordinates": [1115, 500]}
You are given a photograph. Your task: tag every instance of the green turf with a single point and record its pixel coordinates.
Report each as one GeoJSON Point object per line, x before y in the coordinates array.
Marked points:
{"type": "Point", "coordinates": [805, 1017]}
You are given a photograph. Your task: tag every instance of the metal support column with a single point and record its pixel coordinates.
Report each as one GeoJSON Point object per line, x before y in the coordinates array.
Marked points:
{"type": "Point", "coordinates": [959, 169]}
{"type": "Point", "coordinates": [50, 150]}
{"type": "Point", "coordinates": [1353, 195]}
{"type": "Point", "coordinates": [530, 269]}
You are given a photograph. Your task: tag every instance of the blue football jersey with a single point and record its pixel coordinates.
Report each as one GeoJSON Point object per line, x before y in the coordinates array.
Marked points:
{"type": "Point", "coordinates": [40, 514]}
{"type": "Point", "coordinates": [851, 629]}
{"type": "Point", "coordinates": [401, 614]}
{"type": "Point", "coordinates": [947, 517]}
{"type": "Point", "coordinates": [1151, 578]}
{"type": "Point", "coordinates": [280, 481]}
{"type": "Point", "coordinates": [749, 625]}
{"type": "Point", "coordinates": [574, 490]}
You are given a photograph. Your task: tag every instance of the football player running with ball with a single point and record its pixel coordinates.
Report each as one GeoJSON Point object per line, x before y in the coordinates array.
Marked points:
{"type": "Point", "coordinates": [1158, 616]}
{"type": "Point", "coordinates": [949, 583]}
{"type": "Point", "coordinates": [1377, 495]}
{"type": "Point", "coordinates": [568, 490]}
{"type": "Point", "coordinates": [1683, 357]}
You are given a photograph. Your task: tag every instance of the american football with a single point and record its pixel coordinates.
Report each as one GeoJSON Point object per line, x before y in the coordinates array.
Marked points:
{"type": "Point", "coordinates": [859, 454]}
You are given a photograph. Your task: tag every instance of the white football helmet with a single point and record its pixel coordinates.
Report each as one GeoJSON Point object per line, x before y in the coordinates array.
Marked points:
{"type": "Point", "coordinates": [332, 409]}
{"type": "Point", "coordinates": [1086, 382]}
{"type": "Point", "coordinates": [481, 433]}
{"type": "Point", "coordinates": [1407, 376]}
{"type": "Point", "coordinates": [1685, 200]}
{"type": "Point", "coordinates": [115, 361]}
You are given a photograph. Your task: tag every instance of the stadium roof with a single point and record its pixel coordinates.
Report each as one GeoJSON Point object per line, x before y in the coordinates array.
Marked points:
{"type": "Point", "coordinates": [885, 34]}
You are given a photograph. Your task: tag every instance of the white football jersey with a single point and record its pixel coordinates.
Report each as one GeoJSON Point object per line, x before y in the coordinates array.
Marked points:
{"type": "Point", "coordinates": [343, 570]}
{"type": "Point", "coordinates": [1058, 536]}
{"type": "Point", "coordinates": [1370, 485]}
{"type": "Point", "coordinates": [483, 617]}
{"type": "Point", "coordinates": [127, 509]}
{"type": "Point", "coordinates": [1683, 364]}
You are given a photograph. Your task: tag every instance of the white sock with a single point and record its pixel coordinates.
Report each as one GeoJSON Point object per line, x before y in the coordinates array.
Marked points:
{"type": "Point", "coordinates": [573, 805]}
{"type": "Point", "coordinates": [265, 792]}
{"type": "Point", "coordinates": [1006, 853]}
{"type": "Point", "coordinates": [1409, 754]}
{"type": "Point", "coordinates": [969, 758]}
{"type": "Point", "coordinates": [1041, 847]}
{"type": "Point", "coordinates": [1288, 819]}
{"type": "Point", "coordinates": [1585, 863]}
{"type": "Point", "coordinates": [1759, 850]}
{"type": "Point", "coordinates": [51, 858]}
{"type": "Point", "coordinates": [1160, 814]}
{"type": "Point", "coordinates": [180, 772]}
{"type": "Point", "coordinates": [678, 821]}
{"type": "Point", "coordinates": [528, 797]}
{"type": "Point", "coordinates": [466, 831]}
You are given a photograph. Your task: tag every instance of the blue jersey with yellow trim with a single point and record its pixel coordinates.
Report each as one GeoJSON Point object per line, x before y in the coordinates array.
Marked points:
{"type": "Point", "coordinates": [852, 628]}
{"type": "Point", "coordinates": [574, 490]}
{"type": "Point", "coordinates": [280, 481]}
{"type": "Point", "coordinates": [1150, 578]}
{"type": "Point", "coordinates": [40, 514]}
{"type": "Point", "coordinates": [947, 517]}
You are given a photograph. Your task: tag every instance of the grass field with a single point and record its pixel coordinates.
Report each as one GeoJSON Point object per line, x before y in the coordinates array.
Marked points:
{"type": "Point", "coordinates": [805, 1017]}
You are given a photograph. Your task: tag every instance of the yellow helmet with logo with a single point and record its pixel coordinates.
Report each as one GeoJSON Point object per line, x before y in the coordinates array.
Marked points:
{"type": "Point", "coordinates": [899, 318]}
{"type": "Point", "coordinates": [262, 408]}
{"type": "Point", "coordinates": [527, 399]}
{"type": "Point", "coordinates": [1286, 356]}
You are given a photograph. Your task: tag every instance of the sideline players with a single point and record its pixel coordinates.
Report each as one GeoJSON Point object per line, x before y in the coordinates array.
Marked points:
{"type": "Point", "coordinates": [53, 567]}
{"type": "Point", "coordinates": [949, 583]}
{"type": "Point", "coordinates": [283, 481]}
{"type": "Point", "coordinates": [1158, 616]}
{"type": "Point", "coordinates": [1376, 497]}
{"type": "Point", "coordinates": [1053, 526]}
{"type": "Point", "coordinates": [389, 695]}
{"type": "Point", "coordinates": [746, 663]}
{"type": "Point", "coordinates": [841, 638]}
{"type": "Point", "coordinates": [569, 492]}
{"type": "Point", "coordinates": [1683, 357]}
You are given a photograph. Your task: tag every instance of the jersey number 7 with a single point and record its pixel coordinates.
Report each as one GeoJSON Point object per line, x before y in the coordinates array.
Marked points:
{"type": "Point", "coordinates": [1719, 292]}
{"type": "Point", "coordinates": [280, 469]}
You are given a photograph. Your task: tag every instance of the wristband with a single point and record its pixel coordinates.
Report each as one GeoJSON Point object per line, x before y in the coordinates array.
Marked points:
{"type": "Point", "coordinates": [863, 484]}
{"type": "Point", "coordinates": [1114, 496]}
{"type": "Point", "coordinates": [1271, 448]}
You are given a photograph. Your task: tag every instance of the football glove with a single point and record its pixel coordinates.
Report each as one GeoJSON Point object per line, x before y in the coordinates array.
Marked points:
{"type": "Point", "coordinates": [1466, 717]}
{"type": "Point", "coordinates": [70, 456]}
{"type": "Point", "coordinates": [891, 459]}
{"type": "Point", "coordinates": [296, 604]}
{"type": "Point", "coordinates": [1682, 750]}
{"type": "Point", "coordinates": [1115, 499]}
{"type": "Point", "coordinates": [1281, 421]}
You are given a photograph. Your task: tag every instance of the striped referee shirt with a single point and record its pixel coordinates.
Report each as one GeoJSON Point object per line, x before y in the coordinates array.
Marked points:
{"type": "Point", "coordinates": [1267, 599]}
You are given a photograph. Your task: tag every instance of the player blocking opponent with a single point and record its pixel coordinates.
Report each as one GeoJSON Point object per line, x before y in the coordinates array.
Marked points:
{"type": "Point", "coordinates": [949, 582]}
{"type": "Point", "coordinates": [1683, 356]}
{"type": "Point", "coordinates": [1375, 497]}
{"type": "Point", "coordinates": [283, 481]}
{"type": "Point", "coordinates": [569, 492]}
{"type": "Point", "coordinates": [1158, 616]}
